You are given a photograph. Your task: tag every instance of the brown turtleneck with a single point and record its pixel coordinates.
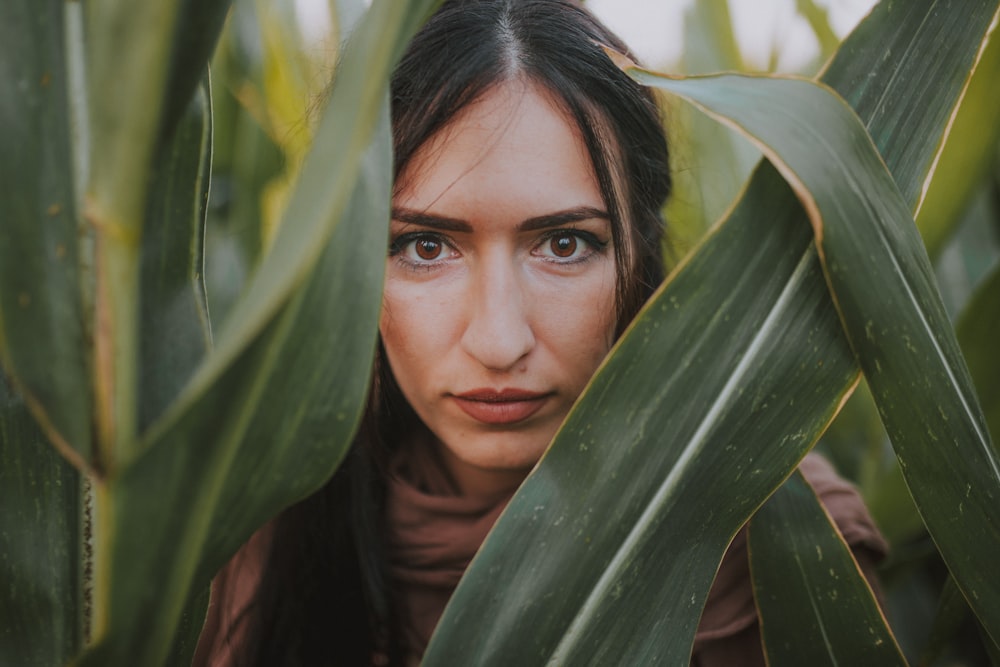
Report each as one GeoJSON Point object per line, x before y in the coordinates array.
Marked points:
{"type": "Point", "coordinates": [434, 532]}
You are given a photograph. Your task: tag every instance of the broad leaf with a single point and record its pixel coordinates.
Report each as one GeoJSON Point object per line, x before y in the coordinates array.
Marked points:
{"type": "Point", "coordinates": [270, 412]}
{"type": "Point", "coordinates": [971, 147]}
{"type": "Point", "coordinates": [175, 333]}
{"type": "Point", "coordinates": [43, 333]}
{"type": "Point", "coordinates": [574, 552]}
{"type": "Point", "coordinates": [900, 332]}
{"type": "Point", "coordinates": [42, 607]}
{"type": "Point", "coordinates": [324, 187]}
{"type": "Point", "coordinates": [270, 430]}
{"type": "Point", "coordinates": [805, 576]}
{"type": "Point", "coordinates": [199, 24]}
{"type": "Point", "coordinates": [696, 400]}
{"type": "Point", "coordinates": [977, 329]}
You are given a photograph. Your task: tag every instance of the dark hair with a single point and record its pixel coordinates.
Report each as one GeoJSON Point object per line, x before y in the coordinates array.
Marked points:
{"type": "Point", "coordinates": [323, 599]}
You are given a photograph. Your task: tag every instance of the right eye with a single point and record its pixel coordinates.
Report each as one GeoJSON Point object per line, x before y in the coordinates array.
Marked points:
{"type": "Point", "coordinates": [420, 248]}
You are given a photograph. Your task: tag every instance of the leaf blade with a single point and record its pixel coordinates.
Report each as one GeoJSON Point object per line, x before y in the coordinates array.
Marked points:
{"type": "Point", "coordinates": [883, 97]}
{"type": "Point", "coordinates": [43, 325]}
{"type": "Point", "coordinates": [804, 575]}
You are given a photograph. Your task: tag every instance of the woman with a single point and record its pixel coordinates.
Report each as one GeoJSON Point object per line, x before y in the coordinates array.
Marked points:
{"type": "Point", "coordinates": [525, 236]}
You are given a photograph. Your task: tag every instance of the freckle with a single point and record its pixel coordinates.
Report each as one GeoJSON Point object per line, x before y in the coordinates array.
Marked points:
{"type": "Point", "coordinates": [46, 79]}
{"type": "Point", "coordinates": [23, 300]}
{"type": "Point", "coordinates": [54, 209]}
{"type": "Point", "coordinates": [60, 251]}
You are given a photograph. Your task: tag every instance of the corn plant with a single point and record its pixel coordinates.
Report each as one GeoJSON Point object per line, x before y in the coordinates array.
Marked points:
{"type": "Point", "coordinates": [140, 445]}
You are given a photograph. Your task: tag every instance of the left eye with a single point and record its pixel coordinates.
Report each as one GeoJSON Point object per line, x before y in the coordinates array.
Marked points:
{"type": "Point", "coordinates": [565, 246]}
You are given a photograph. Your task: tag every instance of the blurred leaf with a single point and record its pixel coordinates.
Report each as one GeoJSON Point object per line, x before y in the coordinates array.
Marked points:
{"type": "Point", "coordinates": [346, 14]}
{"type": "Point", "coordinates": [806, 578]}
{"type": "Point", "coordinates": [175, 332]}
{"type": "Point", "coordinates": [819, 21]}
{"type": "Point", "coordinates": [323, 190]}
{"type": "Point", "coordinates": [272, 409]}
{"type": "Point", "coordinates": [892, 506]}
{"type": "Point", "coordinates": [42, 322]}
{"type": "Point", "coordinates": [952, 612]}
{"type": "Point", "coordinates": [199, 24]}
{"type": "Point", "coordinates": [125, 98]}
{"type": "Point", "coordinates": [711, 45]}
{"type": "Point", "coordinates": [970, 149]}
{"type": "Point", "coordinates": [977, 332]}
{"type": "Point", "coordinates": [703, 407]}
{"type": "Point", "coordinates": [244, 160]}
{"type": "Point", "coordinates": [287, 95]}
{"type": "Point", "coordinates": [709, 163]}
{"type": "Point", "coordinates": [268, 432]}
{"type": "Point", "coordinates": [41, 544]}
{"type": "Point", "coordinates": [189, 627]}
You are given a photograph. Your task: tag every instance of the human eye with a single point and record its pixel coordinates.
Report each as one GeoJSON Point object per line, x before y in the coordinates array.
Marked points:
{"type": "Point", "coordinates": [568, 246]}
{"type": "Point", "coordinates": [420, 249]}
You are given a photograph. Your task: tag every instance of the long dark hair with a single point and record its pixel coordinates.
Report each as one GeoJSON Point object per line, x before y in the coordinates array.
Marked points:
{"type": "Point", "coordinates": [324, 596]}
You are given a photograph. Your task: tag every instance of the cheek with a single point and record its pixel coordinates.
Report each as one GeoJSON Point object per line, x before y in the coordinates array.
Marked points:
{"type": "Point", "coordinates": [414, 326]}
{"type": "Point", "coordinates": [581, 324]}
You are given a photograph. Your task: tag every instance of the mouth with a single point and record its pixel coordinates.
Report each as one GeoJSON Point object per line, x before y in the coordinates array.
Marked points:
{"type": "Point", "coordinates": [507, 406]}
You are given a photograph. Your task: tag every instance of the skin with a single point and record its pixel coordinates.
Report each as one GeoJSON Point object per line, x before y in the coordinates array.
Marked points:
{"type": "Point", "coordinates": [500, 279]}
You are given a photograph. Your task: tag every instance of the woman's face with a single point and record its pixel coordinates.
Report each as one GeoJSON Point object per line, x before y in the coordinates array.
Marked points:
{"type": "Point", "coordinates": [500, 283]}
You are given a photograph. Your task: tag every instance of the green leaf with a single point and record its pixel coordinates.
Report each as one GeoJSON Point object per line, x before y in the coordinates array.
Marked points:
{"type": "Point", "coordinates": [175, 332]}
{"type": "Point", "coordinates": [971, 148]}
{"type": "Point", "coordinates": [900, 332]}
{"type": "Point", "coordinates": [710, 163]}
{"type": "Point", "coordinates": [42, 322]}
{"type": "Point", "coordinates": [270, 431]}
{"type": "Point", "coordinates": [952, 613]}
{"type": "Point", "coordinates": [819, 21]}
{"type": "Point", "coordinates": [41, 544]}
{"type": "Point", "coordinates": [322, 192]}
{"type": "Point", "coordinates": [199, 26]}
{"type": "Point", "coordinates": [806, 579]}
{"type": "Point", "coordinates": [124, 99]}
{"type": "Point", "coordinates": [977, 328]}
{"type": "Point", "coordinates": [269, 413]}
{"type": "Point", "coordinates": [710, 399]}
{"type": "Point", "coordinates": [671, 449]}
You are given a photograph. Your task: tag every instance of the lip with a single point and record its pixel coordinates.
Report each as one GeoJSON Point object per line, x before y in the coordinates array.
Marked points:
{"type": "Point", "coordinates": [506, 406]}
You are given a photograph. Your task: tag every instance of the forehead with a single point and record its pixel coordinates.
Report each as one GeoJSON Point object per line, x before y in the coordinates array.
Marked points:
{"type": "Point", "coordinates": [512, 151]}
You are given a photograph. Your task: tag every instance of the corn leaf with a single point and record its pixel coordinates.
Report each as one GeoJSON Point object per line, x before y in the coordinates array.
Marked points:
{"type": "Point", "coordinates": [698, 439]}
{"type": "Point", "coordinates": [804, 573]}
{"type": "Point", "coordinates": [722, 383]}
{"type": "Point", "coordinates": [971, 148]}
{"type": "Point", "coordinates": [976, 329]}
{"type": "Point", "coordinates": [43, 330]}
{"type": "Point", "coordinates": [269, 414]}
{"type": "Point", "coordinates": [900, 332]}
{"type": "Point", "coordinates": [42, 607]}
{"type": "Point", "coordinates": [175, 332]}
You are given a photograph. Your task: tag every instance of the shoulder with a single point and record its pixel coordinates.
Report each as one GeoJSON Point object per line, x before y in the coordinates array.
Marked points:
{"type": "Point", "coordinates": [233, 592]}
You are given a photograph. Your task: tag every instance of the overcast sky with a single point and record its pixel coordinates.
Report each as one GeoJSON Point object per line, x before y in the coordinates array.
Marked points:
{"type": "Point", "coordinates": [653, 28]}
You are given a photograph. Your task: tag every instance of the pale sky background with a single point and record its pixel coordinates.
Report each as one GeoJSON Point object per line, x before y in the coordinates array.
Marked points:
{"type": "Point", "coordinates": [653, 28]}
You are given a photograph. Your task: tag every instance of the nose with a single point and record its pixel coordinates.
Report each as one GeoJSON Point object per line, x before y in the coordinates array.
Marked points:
{"type": "Point", "coordinates": [498, 332]}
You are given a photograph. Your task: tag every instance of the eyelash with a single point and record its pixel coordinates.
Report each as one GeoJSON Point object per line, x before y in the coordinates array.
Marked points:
{"type": "Point", "coordinates": [399, 244]}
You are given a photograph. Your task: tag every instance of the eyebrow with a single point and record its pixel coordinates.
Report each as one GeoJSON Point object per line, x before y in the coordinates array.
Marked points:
{"type": "Point", "coordinates": [447, 224]}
